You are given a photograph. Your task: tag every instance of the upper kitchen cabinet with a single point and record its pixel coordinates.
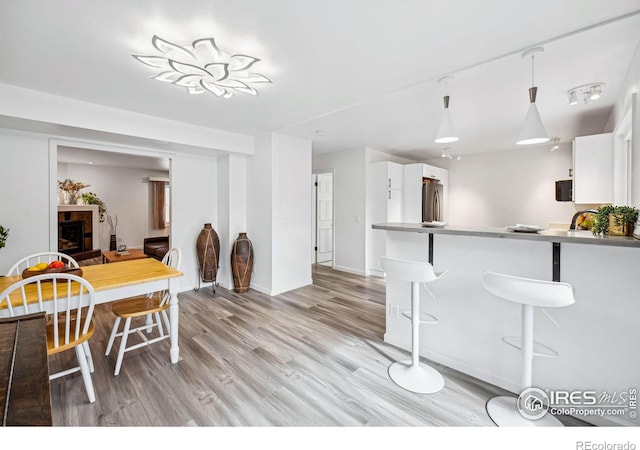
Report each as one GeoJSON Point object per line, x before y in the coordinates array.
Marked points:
{"type": "Point", "coordinates": [593, 169]}
{"type": "Point", "coordinates": [412, 195]}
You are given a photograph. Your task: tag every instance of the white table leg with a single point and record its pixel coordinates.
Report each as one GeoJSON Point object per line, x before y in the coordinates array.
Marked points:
{"type": "Point", "coordinates": [174, 319]}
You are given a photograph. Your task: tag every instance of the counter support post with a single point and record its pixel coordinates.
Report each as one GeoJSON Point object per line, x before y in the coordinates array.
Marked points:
{"type": "Point", "coordinates": [431, 248]}
{"type": "Point", "coordinates": [556, 261]}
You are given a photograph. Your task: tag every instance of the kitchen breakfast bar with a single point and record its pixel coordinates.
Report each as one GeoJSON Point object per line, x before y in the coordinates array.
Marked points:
{"type": "Point", "coordinates": [597, 338]}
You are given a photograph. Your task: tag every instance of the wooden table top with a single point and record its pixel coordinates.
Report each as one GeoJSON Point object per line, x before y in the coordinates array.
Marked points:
{"type": "Point", "coordinates": [112, 255]}
{"type": "Point", "coordinates": [108, 276]}
{"type": "Point", "coordinates": [25, 396]}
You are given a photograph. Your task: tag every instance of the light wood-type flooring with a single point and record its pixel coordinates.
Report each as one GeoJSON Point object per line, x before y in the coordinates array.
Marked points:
{"type": "Point", "coordinates": [314, 356]}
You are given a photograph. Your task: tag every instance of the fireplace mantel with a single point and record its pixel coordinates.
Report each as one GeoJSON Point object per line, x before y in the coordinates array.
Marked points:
{"type": "Point", "coordinates": [95, 219]}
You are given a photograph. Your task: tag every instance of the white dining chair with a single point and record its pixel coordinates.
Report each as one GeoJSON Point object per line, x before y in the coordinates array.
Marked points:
{"type": "Point", "coordinates": [149, 306]}
{"type": "Point", "coordinates": [36, 258]}
{"type": "Point", "coordinates": [69, 301]}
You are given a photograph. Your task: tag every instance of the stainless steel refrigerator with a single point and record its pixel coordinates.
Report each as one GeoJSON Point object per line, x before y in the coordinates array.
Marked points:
{"type": "Point", "coordinates": [431, 200]}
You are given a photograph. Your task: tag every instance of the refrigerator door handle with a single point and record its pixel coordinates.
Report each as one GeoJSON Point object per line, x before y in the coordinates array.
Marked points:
{"type": "Point", "coordinates": [436, 205]}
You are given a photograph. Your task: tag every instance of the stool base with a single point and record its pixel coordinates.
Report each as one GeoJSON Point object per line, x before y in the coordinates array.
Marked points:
{"type": "Point", "coordinates": [504, 412]}
{"type": "Point", "coordinates": [421, 379]}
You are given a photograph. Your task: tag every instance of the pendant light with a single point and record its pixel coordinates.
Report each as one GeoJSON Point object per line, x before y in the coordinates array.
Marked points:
{"type": "Point", "coordinates": [446, 132]}
{"type": "Point", "coordinates": [532, 131]}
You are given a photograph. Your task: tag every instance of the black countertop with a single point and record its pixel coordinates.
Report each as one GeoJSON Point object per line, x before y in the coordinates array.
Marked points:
{"type": "Point", "coordinates": [551, 235]}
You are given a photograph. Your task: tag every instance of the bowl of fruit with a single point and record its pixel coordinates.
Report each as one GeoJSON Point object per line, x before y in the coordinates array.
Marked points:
{"type": "Point", "coordinates": [56, 266]}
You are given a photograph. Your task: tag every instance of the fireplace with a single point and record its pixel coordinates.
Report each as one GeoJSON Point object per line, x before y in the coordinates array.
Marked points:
{"type": "Point", "coordinates": [71, 236]}
{"type": "Point", "coordinates": [78, 231]}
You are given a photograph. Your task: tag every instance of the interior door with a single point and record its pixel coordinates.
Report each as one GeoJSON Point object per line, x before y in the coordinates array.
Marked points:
{"type": "Point", "coordinates": [324, 217]}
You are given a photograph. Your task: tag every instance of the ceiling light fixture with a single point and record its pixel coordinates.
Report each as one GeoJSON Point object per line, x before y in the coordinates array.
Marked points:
{"type": "Point", "coordinates": [588, 92]}
{"type": "Point", "coordinates": [446, 153]}
{"type": "Point", "coordinates": [532, 131]}
{"type": "Point", "coordinates": [202, 67]}
{"type": "Point", "coordinates": [573, 97]}
{"type": "Point", "coordinates": [555, 144]}
{"type": "Point", "coordinates": [446, 132]}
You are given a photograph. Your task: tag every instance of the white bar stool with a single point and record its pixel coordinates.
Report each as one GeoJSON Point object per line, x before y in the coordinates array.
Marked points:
{"type": "Point", "coordinates": [410, 374]}
{"type": "Point", "coordinates": [530, 293]}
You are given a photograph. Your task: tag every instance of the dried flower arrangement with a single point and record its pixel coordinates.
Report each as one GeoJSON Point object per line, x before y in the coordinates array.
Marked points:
{"type": "Point", "coordinates": [71, 188]}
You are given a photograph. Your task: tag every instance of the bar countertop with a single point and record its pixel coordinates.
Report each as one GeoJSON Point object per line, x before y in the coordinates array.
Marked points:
{"type": "Point", "coordinates": [548, 235]}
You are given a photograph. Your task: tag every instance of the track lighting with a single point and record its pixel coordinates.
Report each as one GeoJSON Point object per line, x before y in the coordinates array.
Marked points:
{"type": "Point", "coordinates": [588, 92]}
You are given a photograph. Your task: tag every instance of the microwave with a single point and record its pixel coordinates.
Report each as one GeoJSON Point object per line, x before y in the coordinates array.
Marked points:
{"type": "Point", "coordinates": [564, 191]}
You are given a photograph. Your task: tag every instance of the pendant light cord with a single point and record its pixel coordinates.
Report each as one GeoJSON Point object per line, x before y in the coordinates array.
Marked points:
{"type": "Point", "coordinates": [533, 83]}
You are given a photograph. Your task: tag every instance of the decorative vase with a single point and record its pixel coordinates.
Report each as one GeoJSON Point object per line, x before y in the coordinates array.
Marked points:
{"type": "Point", "coordinates": [208, 251]}
{"type": "Point", "coordinates": [112, 242]}
{"type": "Point", "coordinates": [69, 198]}
{"type": "Point", "coordinates": [242, 262]}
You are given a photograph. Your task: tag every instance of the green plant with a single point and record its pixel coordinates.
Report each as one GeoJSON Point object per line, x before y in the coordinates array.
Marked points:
{"type": "Point", "coordinates": [4, 234]}
{"type": "Point", "coordinates": [624, 214]}
{"type": "Point", "coordinates": [621, 214]}
{"type": "Point", "coordinates": [89, 198]}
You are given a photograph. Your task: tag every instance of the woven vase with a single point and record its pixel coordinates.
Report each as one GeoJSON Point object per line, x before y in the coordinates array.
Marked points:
{"type": "Point", "coordinates": [242, 263]}
{"type": "Point", "coordinates": [208, 251]}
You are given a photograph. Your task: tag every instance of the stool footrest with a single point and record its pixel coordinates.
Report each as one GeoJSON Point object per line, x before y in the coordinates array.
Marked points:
{"type": "Point", "coordinates": [432, 319]}
{"type": "Point", "coordinates": [539, 349]}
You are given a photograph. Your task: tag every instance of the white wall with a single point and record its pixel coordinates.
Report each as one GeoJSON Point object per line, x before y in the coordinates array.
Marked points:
{"type": "Point", "coordinates": [349, 184]}
{"type": "Point", "coordinates": [127, 194]}
{"type": "Point", "coordinates": [292, 213]}
{"type": "Point", "coordinates": [505, 188]}
{"type": "Point", "coordinates": [259, 211]}
{"type": "Point", "coordinates": [24, 204]}
{"type": "Point", "coordinates": [279, 213]}
{"type": "Point", "coordinates": [194, 200]}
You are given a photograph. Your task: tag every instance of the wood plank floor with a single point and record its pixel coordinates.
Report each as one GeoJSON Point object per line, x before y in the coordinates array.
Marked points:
{"type": "Point", "coordinates": [314, 356]}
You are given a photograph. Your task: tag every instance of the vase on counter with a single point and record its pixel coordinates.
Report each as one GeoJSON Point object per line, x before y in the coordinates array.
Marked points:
{"type": "Point", "coordinates": [112, 242]}
{"type": "Point", "coordinates": [242, 263]}
{"type": "Point", "coordinates": [208, 251]}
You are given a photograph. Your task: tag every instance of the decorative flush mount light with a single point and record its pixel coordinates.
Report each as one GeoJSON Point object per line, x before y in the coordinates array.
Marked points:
{"type": "Point", "coordinates": [533, 131]}
{"type": "Point", "coordinates": [202, 67]}
{"type": "Point", "coordinates": [587, 92]}
{"type": "Point", "coordinates": [555, 144]}
{"type": "Point", "coordinates": [446, 134]}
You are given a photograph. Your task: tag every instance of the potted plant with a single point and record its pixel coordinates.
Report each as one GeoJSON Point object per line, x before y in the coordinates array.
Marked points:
{"type": "Point", "coordinates": [615, 220]}
{"type": "Point", "coordinates": [89, 198]}
{"type": "Point", "coordinates": [4, 234]}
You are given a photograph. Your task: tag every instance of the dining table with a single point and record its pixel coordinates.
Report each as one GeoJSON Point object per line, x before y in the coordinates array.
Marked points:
{"type": "Point", "coordinates": [25, 397]}
{"type": "Point", "coordinates": [113, 282]}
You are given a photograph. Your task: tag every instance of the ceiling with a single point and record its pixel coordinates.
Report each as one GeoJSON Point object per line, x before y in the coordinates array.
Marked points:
{"type": "Point", "coordinates": [345, 74]}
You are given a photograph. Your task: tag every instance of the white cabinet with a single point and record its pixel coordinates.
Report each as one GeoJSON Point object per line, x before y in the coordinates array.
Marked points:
{"type": "Point", "coordinates": [384, 195]}
{"type": "Point", "coordinates": [593, 169]}
{"type": "Point", "coordinates": [412, 195]}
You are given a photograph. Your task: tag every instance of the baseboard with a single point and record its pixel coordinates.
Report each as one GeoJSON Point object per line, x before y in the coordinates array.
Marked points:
{"type": "Point", "coordinates": [261, 289]}
{"type": "Point", "coordinates": [349, 270]}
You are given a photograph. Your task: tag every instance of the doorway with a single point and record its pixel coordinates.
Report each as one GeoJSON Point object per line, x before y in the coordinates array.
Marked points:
{"type": "Point", "coordinates": [129, 201]}
{"type": "Point", "coordinates": [323, 218]}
